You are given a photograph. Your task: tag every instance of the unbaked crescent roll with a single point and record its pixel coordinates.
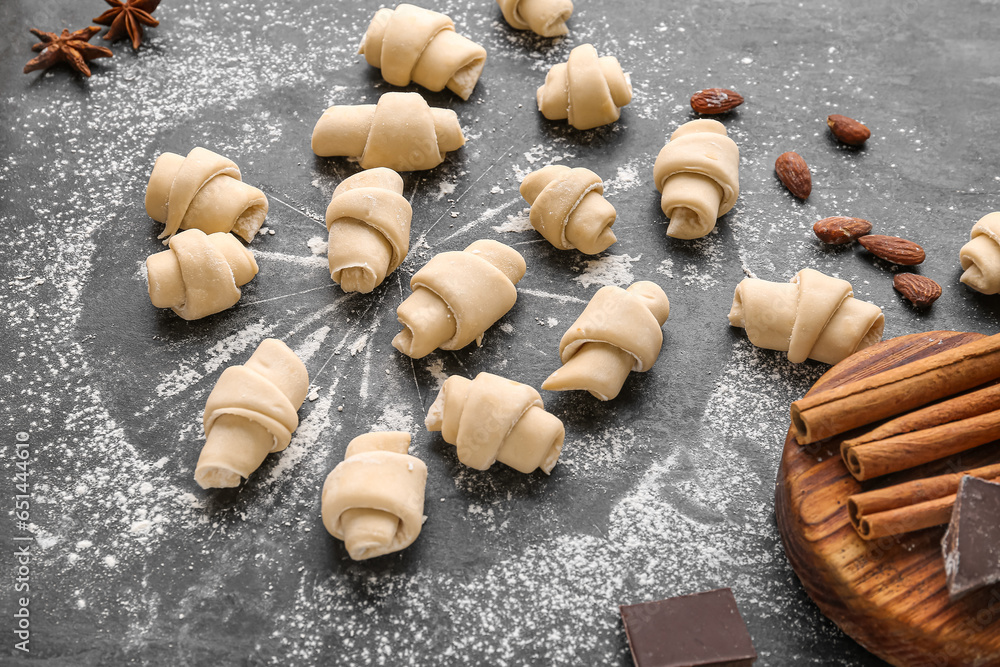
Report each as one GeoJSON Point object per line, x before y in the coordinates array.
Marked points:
{"type": "Point", "coordinates": [568, 208]}
{"type": "Point", "coordinates": [374, 499]}
{"type": "Point", "coordinates": [251, 412]}
{"type": "Point", "coordinates": [200, 274]}
{"type": "Point", "coordinates": [812, 317]}
{"type": "Point", "coordinates": [586, 90]}
{"type": "Point", "coordinates": [457, 296]}
{"type": "Point", "coordinates": [618, 332]}
{"type": "Point", "coordinates": [369, 223]}
{"type": "Point", "coordinates": [411, 43]}
{"type": "Point", "coordinates": [401, 132]}
{"type": "Point", "coordinates": [698, 174]}
{"type": "Point", "coordinates": [203, 191]}
{"type": "Point", "coordinates": [544, 17]}
{"type": "Point", "coordinates": [981, 256]}
{"type": "Point", "coordinates": [492, 419]}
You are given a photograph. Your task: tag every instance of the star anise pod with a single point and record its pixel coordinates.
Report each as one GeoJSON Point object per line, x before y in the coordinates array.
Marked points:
{"type": "Point", "coordinates": [127, 18]}
{"type": "Point", "coordinates": [69, 47]}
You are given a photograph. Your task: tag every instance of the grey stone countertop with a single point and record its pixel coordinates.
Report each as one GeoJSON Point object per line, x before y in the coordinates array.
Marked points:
{"type": "Point", "coordinates": [664, 491]}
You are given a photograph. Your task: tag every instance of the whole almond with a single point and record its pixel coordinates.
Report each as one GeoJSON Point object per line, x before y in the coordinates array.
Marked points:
{"type": "Point", "coordinates": [839, 230]}
{"type": "Point", "coordinates": [893, 249]}
{"type": "Point", "coordinates": [921, 291]}
{"type": "Point", "coordinates": [715, 100]}
{"type": "Point", "coordinates": [794, 174]}
{"type": "Point", "coordinates": [848, 130]}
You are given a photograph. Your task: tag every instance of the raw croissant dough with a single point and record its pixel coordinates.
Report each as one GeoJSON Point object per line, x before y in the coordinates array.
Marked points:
{"type": "Point", "coordinates": [369, 223]}
{"type": "Point", "coordinates": [201, 274]}
{"type": "Point", "coordinates": [618, 332]}
{"type": "Point", "coordinates": [812, 317]}
{"type": "Point", "coordinates": [457, 296]}
{"type": "Point", "coordinates": [374, 498]}
{"type": "Point", "coordinates": [492, 419]}
{"type": "Point", "coordinates": [568, 208]}
{"type": "Point", "coordinates": [203, 191]}
{"type": "Point", "coordinates": [698, 174]}
{"type": "Point", "coordinates": [587, 90]}
{"type": "Point", "coordinates": [544, 17]}
{"type": "Point", "coordinates": [981, 256]}
{"type": "Point", "coordinates": [251, 412]}
{"type": "Point", "coordinates": [400, 132]}
{"type": "Point", "coordinates": [414, 44]}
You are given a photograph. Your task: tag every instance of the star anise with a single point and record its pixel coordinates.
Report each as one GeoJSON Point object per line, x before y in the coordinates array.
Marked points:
{"type": "Point", "coordinates": [127, 18]}
{"type": "Point", "coordinates": [69, 47]}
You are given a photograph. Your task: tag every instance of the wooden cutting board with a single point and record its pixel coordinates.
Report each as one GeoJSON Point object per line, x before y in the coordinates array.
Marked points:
{"type": "Point", "coordinates": [889, 595]}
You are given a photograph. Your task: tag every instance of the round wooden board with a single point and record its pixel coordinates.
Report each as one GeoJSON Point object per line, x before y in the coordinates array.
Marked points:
{"type": "Point", "coordinates": [889, 595]}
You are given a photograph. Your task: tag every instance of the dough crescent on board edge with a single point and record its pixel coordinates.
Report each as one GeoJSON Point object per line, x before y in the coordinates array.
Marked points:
{"type": "Point", "coordinates": [251, 412]}
{"type": "Point", "coordinates": [617, 333]}
{"type": "Point", "coordinates": [400, 132]}
{"type": "Point", "coordinates": [980, 257]}
{"type": "Point", "coordinates": [374, 499]}
{"type": "Point", "coordinates": [814, 316]}
{"type": "Point", "coordinates": [491, 418]}
{"type": "Point", "coordinates": [199, 274]}
{"type": "Point", "coordinates": [369, 223]}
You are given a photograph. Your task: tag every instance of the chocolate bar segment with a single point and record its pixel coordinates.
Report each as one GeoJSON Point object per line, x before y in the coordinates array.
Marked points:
{"type": "Point", "coordinates": [972, 544]}
{"type": "Point", "coordinates": [702, 630]}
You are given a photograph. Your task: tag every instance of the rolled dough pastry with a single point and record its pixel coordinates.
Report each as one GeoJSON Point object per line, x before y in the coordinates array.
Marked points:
{"type": "Point", "coordinates": [698, 174]}
{"type": "Point", "coordinates": [981, 256]}
{"type": "Point", "coordinates": [251, 412]}
{"type": "Point", "coordinates": [200, 274]}
{"type": "Point", "coordinates": [457, 296]}
{"type": "Point", "coordinates": [410, 43]}
{"type": "Point", "coordinates": [374, 498]}
{"type": "Point", "coordinates": [492, 419]}
{"type": "Point", "coordinates": [203, 191]}
{"type": "Point", "coordinates": [812, 317]}
{"type": "Point", "coordinates": [568, 208]}
{"type": "Point", "coordinates": [369, 223]}
{"type": "Point", "coordinates": [618, 332]}
{"type": "Point", "coordinates": [400, 132]}
{"type": "Point", "coordinates": [544, 17]}
{"type": "Point", "coordinates": [586, 90]}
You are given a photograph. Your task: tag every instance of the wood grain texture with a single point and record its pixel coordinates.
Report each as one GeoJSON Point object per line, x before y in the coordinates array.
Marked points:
{"type": "Point", "coordinates": [887, 594]}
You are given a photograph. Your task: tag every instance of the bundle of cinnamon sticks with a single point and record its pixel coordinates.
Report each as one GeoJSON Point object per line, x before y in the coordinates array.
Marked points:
{"type": "Point", "coordinates": [936, 429]}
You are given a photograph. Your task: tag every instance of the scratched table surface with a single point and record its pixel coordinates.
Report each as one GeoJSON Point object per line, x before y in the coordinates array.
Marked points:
{"type": "Point", "coordinates": [666, 490]}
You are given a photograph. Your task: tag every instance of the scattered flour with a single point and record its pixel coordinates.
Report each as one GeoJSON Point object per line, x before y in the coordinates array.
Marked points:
{"type": "Point", "coordinates": [608, 270]}
{"type": "Point", "coordinates": [518, 222]}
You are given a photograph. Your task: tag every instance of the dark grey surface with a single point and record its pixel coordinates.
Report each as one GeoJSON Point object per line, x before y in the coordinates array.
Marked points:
{"type": "Point", "coordinates": [666, 490]}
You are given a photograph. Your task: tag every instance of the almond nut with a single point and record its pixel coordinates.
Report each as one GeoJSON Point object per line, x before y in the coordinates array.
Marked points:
{"type": "Point", "coordinates": [921, 291]}
{"type": "Point", "coordinates": [839, 230]}
{"type": "Point", "coordinates": [715, 100]}
{"type": "Point", "coordinates": [848, 130]}
{"type": "Point", "coordinates": [893, 249]}
{"type": "Point", "coordinates": [794, 174]}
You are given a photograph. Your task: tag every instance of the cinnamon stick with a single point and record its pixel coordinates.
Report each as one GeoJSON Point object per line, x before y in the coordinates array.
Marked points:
{"type": "Point", "coordinates": [897, 390]}
{"type": "Point", "coordinates": [912, 506]}
{"type": "Point", "coordinates": [908, 450]}
{"type": "Point", "coordinates": [964, 406]}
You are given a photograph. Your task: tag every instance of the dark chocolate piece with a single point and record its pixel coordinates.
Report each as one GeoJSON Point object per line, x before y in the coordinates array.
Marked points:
{"type": "Point", "coordinates": [972, 544]}
{"type": "Point", "coordinates": [704, 630]}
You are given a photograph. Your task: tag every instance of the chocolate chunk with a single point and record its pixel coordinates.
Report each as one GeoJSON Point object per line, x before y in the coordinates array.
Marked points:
{"type": "Point", "coordinates": [972, 544]}
{"type": "Point", "coordinates": [693, 630]}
